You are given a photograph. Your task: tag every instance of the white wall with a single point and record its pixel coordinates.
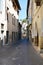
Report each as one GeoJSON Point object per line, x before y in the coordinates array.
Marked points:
{"type": "Point", "coordinates": [8, 26]}
{"type": "Point", "coordinates": [37, 18]}
{"type": "Point", "coordinates": [3, 19]}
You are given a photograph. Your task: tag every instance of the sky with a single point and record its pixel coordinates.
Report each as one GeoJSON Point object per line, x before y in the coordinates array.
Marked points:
{"type": "Point", "coordinates": [23, 4]}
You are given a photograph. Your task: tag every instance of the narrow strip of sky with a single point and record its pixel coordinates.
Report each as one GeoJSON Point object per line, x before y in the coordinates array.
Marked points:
{"type": "Point", "coordinates": [23, 4]}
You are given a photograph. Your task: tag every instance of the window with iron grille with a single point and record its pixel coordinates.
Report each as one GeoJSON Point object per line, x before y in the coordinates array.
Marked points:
{"type": "Point", "coordinates": [7, 17]}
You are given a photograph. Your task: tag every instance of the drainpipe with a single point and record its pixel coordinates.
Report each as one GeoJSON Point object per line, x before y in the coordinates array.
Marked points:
{"type": "Point", "coordinates": [27, 28]}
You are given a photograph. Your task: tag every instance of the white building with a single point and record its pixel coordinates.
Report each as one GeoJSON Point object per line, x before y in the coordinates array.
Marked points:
{"type": "Point", "coordinates": [9, 12]}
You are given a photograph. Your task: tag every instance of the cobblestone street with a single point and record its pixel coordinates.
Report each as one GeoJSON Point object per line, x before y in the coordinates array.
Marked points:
{"type": "Point", "coordinates": [20, 54]}
{"type": "Point", "coordinates": [21, 32]}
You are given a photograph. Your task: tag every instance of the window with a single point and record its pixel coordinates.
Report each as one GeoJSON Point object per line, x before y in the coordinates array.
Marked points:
{"type": "Point", "coordinates": [38, 3]}
{"type": "Point", "coordinates": [7, 16]}
{"type": "Point", "coordinates": [7, 8]}
{"type": "Point", "coordinates": [13, 20]}
{"type": "Point", "coordinates": [2, 31]}
{"type": "Point", "coordinates": [38, 16]}
{"type": "Point", "coordinates": [7, 36]}
{"type": "Point", "coordinates": [2, 26]}
{"type": "Point", "coordinates": [18, 12]}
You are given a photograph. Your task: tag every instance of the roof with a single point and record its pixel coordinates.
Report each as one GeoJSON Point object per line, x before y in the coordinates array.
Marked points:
{"type": "Point", "coordinates": [17, 3]}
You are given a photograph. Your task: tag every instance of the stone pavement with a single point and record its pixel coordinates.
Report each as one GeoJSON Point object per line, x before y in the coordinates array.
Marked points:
{"type": "Point", "coordinates": [20, 54]}
{"type": "Point", "coordinates": [40, 52]}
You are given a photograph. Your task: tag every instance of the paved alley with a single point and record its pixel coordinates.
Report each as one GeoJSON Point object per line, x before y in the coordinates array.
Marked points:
{"type": "Point", "coordinates": [20, 54]}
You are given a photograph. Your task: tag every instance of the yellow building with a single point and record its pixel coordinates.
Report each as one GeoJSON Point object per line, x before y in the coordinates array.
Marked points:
{"type": "Point", "coordinates": [37, 22]}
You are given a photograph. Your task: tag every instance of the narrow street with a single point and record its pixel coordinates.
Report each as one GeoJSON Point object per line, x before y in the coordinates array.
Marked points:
{"type": "Point", "coordinates": [21, 32]}
{"type": "Point", "coordinates": [20, 54]}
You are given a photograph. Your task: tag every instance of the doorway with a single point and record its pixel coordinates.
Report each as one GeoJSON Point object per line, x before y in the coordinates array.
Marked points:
{"type": "Point", "coordinates": [7, 36]}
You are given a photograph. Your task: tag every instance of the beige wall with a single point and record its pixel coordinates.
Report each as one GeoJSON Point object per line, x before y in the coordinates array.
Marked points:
{"type": "Point", "coordinates": [12, 25]}
{"type": "Point", "coordinates": [38, 19]}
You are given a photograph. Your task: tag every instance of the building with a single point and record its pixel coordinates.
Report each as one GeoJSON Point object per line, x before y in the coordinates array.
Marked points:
{"type": "Point", "coordinates": [9, 21]}
{"type": "Point", "coordinates": [37, 23]}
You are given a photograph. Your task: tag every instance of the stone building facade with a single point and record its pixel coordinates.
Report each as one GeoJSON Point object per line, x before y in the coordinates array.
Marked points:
{"type": "Point", "coordinates": [9, 21]}
{"type": "Point", "coordinates": [37, 22]}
